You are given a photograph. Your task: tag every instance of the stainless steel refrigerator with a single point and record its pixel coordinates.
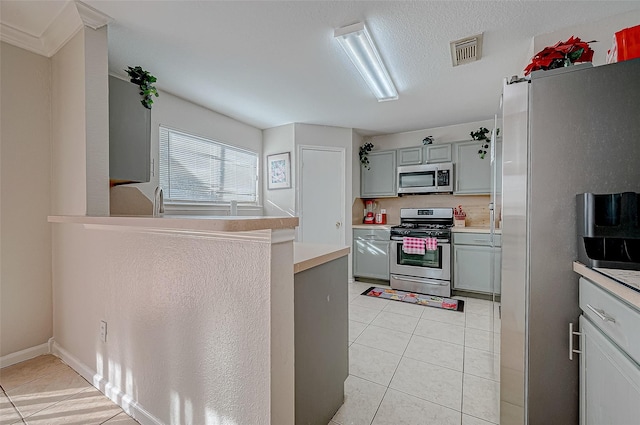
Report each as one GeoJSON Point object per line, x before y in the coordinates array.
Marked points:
{"type": "Point", "coordinates": [565, 132]}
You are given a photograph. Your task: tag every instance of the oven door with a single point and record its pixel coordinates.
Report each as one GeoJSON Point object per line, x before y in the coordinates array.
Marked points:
{"type": "Point", "coordinates": [433, 264]}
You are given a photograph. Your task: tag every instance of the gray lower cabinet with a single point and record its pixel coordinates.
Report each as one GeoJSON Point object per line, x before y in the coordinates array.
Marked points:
{"type": "Point", "coordinates": [609, 358]}
{"type": "Point", "coordinates": [321, 321]}
{"type": "Point", "coordinates": [371, 253]}
{"type": "Point", "coordinates": [472, 173]}
{"type": "Point", "coordinates": [379, 180]}
{"type": "Point", "coordinates": [473, 259]}
{"type": "Point", "coordinates": [129, 134]}
{"type": "Point", "coordinates": [609, 381]}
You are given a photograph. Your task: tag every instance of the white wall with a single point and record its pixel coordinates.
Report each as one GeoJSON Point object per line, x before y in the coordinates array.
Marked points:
{"type": "Point", "coordinates": [448, 134]}
{"type": "Point", "coordinates": [25, 172]}
{"type": "Point", "coordinates": [279, 202]}
{"type": "Point", "coordinates": [602, 31]}
{"type": "Point", "coordinates": [69, 151]}
{"type": "Point", "coordinates": [188, 321]}
{"type": "Point", "coordinates": [97, 119]}
{"type": "Point", "coordinates": [177, 113]}
{"type": "Point", "coordinates": [80, 126]}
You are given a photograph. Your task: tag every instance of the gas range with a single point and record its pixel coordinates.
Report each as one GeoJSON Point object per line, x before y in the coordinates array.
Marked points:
{"type": "Point", "coordinates": [424, 223]}
{"type": "Point", "coordinates": [428, 272]}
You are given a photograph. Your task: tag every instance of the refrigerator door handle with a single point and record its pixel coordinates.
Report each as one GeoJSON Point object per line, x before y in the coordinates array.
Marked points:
{"type": "Point", "coordinates": [571, 334]}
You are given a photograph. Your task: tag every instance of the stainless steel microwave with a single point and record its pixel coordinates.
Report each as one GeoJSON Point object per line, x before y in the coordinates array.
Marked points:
{"type": "Point", "coordinates": [425, 178]}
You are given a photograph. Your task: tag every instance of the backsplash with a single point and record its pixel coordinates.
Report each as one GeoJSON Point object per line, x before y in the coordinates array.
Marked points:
{"type": "Point", "coordinates": [476, 207]}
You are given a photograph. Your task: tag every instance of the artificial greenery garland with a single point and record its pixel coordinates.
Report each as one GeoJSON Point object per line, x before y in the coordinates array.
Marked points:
{"type": "Point", "coordinates": [144, 80]}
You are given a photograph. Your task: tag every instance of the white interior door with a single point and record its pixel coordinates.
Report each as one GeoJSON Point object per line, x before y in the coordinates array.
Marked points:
{"type": "Point", "coordinates": [322, 192]}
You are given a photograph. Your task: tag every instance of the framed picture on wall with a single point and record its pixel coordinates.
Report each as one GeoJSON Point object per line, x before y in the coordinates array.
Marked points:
{"type": "Point", "coordinates": [279, 171]}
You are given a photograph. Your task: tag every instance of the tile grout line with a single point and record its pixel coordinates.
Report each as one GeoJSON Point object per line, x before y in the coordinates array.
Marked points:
{"type": "Point", "coordinates": [412, 333]}
{"type": "Point", "coordinates": [13, 405]}
{"type": "Point", "coordinates": [394, 374]}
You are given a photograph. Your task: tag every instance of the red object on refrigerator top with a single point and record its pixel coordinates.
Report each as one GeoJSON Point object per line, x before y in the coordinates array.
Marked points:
{"type": "Point", "coordinates": [628, 41]}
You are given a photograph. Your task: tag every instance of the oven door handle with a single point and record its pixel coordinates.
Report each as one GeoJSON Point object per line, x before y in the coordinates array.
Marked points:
{"type": "Point", "coordinates": [440, 241]}
{"type": "Point", "coordinates": [427, 281]}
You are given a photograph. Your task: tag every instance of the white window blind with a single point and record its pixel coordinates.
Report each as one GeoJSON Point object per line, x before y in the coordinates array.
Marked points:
{"type": "Point", "coordinates": [194, 169]}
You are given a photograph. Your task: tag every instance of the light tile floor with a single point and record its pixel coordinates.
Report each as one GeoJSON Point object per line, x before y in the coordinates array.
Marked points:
{"type": "Point", "coordinates": [408, 365]}
{"type": "Point", "coordinates": [45, 391]}
{"type": "Point", "coordinates": [416, 365]}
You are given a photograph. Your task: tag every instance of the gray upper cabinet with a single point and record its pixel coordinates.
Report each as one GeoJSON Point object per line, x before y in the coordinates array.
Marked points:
{"type": "Point", "coordinates": [472, 174]}
{"type": "Point", "coordinates": [428, 154]}
{"type": "Point", "coordinates": [410, 156]}
{"type": "Point", "coordinates": [129, 134]}
{"type": "Point", "coordinates": [438, 153]}
{"type": "Point", "coordinates": [380, 180]}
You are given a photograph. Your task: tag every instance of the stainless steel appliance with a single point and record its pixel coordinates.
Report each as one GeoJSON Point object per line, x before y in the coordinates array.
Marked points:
{"type": "Point", "coordinates": [428, 273]}
{"type": "Point", "coordinates": [608, 231]}
{"type": "Point", "coordinates": [425, 178]}
{"type": "Point", "coordinates": [563, 133]}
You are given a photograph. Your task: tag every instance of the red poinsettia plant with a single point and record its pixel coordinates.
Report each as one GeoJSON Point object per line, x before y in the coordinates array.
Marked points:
{"type": "Point", "coordinates": [561, 54]}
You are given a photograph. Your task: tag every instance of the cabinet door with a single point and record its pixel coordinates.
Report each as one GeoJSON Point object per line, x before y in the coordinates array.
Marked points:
{"type": "Point", "coordinates": [609, 381]}
{"type": "Point", "coordinates": [410, 156]}
{"type": "Point", "coordinates": [473, 174]}
{"type": "Point", "coordinates": [371, 258]}
{"type": "Point", "coordinates": [437, 153]}
{"type": "Point", "coordinates": [472, 268]}
{"type": "Point", "coordinates": [380, 180]}
{"type": "Point", "coordinates": [129, 134]}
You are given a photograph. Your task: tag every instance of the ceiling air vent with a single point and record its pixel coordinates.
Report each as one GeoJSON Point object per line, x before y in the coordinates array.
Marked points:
{"type": "Point", "coordinates": [466, 50]}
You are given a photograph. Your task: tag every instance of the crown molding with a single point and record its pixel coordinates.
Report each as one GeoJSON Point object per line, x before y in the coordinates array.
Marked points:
{"type": "Point", "coordinates": [91, 17]}
{"type": "Point", "coordinates": [61, 30]}
{"type": "Point", "coordinates": [21, 39]}
{"type": "Point", "coordinates": [71, 19]}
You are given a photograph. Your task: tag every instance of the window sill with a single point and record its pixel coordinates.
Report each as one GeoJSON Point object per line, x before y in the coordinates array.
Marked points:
{"type": "Point", "coordinates": [211, 209]}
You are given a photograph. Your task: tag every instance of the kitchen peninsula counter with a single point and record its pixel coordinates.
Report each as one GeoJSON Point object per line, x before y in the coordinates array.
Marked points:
{"type": "Point", "coordinates": [321, 330]}
{"type": "Point", "coordinates": [308, 255]}
{"type": "Point", "coordinates": [223, 287]}
{"type": "Point", "coordinates": [184, 222]}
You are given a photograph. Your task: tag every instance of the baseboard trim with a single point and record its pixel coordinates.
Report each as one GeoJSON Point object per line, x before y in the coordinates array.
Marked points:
{"type": "Point", "coordinates": [115, 394]}
{"type": "Point", "coordinates": [22, 355]}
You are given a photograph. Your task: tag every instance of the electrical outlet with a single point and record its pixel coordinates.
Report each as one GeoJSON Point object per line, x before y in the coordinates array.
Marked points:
{"type": "Point", "coordinates": [103, 331]}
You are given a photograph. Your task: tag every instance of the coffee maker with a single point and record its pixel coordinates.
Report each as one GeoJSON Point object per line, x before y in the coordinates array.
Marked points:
{"type": "Point", "coordinates": [608, 228]}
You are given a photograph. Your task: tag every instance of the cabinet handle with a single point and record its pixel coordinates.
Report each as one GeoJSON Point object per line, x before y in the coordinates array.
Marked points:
{"type": "Point", "coordinates": [601, 314]}
{"type": "Point", "coordinates": [571, 334]}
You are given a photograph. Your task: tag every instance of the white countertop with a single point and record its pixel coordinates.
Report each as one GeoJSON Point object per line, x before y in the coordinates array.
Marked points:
{"type": "Point", "coordinates": [612, 281]}
{"type": "Point", "coordinates": [471, 229]}
{"type": "Point", "coordinates": [307, 255]}
{"type": "Point", "coordinates": [372, 226]}
{"type": "Point", "coordinates": [184, 222]}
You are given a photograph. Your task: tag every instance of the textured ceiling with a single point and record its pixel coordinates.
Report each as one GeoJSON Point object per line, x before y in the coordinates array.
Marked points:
{"type": "Point", "coordinates": [273, 63]}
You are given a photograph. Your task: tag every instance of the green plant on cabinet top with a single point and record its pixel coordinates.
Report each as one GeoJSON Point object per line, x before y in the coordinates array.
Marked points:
{"type": "Point", "coordinates": [145, 81]}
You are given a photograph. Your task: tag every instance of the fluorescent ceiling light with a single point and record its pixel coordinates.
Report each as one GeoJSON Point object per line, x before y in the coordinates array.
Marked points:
{"type": "Point", "coordinates": [355, 40]}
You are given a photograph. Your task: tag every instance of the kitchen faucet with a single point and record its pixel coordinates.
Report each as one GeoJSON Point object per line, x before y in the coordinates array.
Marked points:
{"type": "Point", "coordinates": [158, 202]}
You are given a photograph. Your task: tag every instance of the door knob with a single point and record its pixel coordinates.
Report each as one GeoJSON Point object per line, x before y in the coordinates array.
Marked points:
{"type": "Point", "coordinates": [338, 224]}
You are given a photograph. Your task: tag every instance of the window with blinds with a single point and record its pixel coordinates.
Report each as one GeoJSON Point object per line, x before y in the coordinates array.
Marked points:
{"type": "Point", "coordinates": [194, 169]}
